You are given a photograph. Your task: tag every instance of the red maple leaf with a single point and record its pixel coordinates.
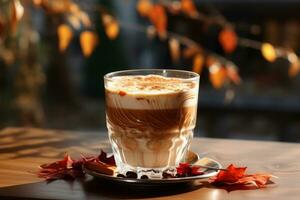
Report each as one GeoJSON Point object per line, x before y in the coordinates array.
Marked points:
{"type": "Point", "coordinates": [107, 160]}
{"type": "Point", "coordinates": [71, 169]}
{"type": "Point", "coordinates": [185, 169]}
{"type": "Point", "coordinates": [235, 178]}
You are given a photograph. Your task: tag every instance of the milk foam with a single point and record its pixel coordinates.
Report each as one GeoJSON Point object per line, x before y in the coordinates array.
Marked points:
{"type": "Point", "coordinates": [150, 92]}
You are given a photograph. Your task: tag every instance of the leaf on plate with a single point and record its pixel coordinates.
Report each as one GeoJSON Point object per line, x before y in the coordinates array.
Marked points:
{"type": "Point", "coordinates": [71, 169]}
{"type": "Point", "coordinates": [228, 40]}
{"type": "Point", "coordinates": [185, 170]}
{"type": "Point", "coordinates": [158, 18]}
{"type": "Point", "coordinates": [65, 35]}
{"type": "Point", "coordinates": [108, 160]}
{"type": "Point", "coordinates": [144, 7]}
{"type": "Point", "coordinates": [235, 178]}
{"type": "Point", "coordinates": [268, 51]}
{"type": "Point", "coordinates": [88, 42]}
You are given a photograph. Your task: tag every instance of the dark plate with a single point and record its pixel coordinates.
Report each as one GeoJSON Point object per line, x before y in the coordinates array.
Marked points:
{"type": "Point", "coordinates": [192, 158]}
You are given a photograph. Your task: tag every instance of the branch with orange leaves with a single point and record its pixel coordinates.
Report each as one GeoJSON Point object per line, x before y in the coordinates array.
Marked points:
{"type": "Point", "coordinates": [221, 70]}
{"type": "Point", "coordinates": [228, 38]}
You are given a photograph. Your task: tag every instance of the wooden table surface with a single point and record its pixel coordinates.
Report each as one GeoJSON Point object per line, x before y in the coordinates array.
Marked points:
{"type": "Point", "coordinates": [23, 150]}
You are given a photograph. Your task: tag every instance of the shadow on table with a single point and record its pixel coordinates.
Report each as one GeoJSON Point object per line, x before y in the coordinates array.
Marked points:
{"type": "Point", "coordinates": [93, 189]}
{"type": "Point", "coordinates": [98, 187]}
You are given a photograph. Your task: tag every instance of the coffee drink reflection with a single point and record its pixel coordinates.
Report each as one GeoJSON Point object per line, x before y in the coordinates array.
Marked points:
{"type": "Point", "coordinates": [150, 120]}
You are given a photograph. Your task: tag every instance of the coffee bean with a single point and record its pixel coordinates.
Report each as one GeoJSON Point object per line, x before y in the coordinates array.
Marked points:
{"type": "Point", "coordinates": [120, 176]}
{"type": "Point", "coordinates": [144, 177]}
{"type": "Point", "coordinates": [131, 174]}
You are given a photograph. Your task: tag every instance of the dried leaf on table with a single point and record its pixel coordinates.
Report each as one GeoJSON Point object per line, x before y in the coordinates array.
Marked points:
{"type": "Point", "coordinates": [268, 51]}
{"type": "Point", "coordinates": [158, 18]}
{"type": "Point", "coordinates": [228, 40]}
{"type": "Point", "coordinates": [111, 26]}
{"type": "Point", "coordinates": [144, 7]}
{"type": "Point", "coordinates": [65, 36]}
{"type": "Point", "coordinates": [235, 178]}
{"type": "Point", "coordinates": [217, 75]}
{"type": "Point", "coordinates": [71, 169]}
{"type": "Point", "coordinates": [188, 7]}
{"type": "Point", "coordinates": [88, 42]}
{"type": "Point", "coordinates": [198, 63]}
{"type": "Point", "coordinates": [17, 12]}
{"type": "Point", "coordinates": [174, 47]}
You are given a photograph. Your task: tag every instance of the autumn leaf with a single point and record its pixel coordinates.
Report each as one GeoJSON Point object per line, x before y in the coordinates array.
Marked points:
{"type": "Point", "coordinates": [174, 47]}
{"type": "Point", "coordinates": [268, 51]}
{"type": "Point", "coordinates": [159, 19]}
{"type": "Point", "coordinates": [228, 40]}
{"type": "Point", "coordinates": [69, 168]}
{"type": "Point", "coordinates": [111, 26]}
{"type": "Point", "coordinates": [144, 7]}
{"type": "Point", "coordinates": [235, 178]}
{"type": "Point", "coordinates": [217, 75]}
{"type": "Point", "coordinates": [17, 12]}
{"type": "Point", "coordinates": [88, 42]}
{"type": "Point", "coordinates": [188, 7]}
{"type": "Point", "coordinates": [65, 35]}
{"type": "Point", "coordinates": [185, 169]}
{"type": "Point", "coordinates": [198, 63]}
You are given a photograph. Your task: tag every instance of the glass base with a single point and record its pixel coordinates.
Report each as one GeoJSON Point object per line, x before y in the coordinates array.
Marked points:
{"type": "Point", "coordinates": [151, 173]}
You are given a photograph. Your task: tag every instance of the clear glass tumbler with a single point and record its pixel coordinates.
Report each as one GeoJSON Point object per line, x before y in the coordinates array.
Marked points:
{"type": "Point", "coordinates": [150, 115]}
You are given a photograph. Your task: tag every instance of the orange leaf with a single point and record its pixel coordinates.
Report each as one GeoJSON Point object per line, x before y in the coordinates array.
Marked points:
{"type": "Point", "coordinates": [188, 7]}
{"type": "Point", "coordinates": [174, 46]}
{"type": "Point", "coordinates": [17, 11]}
{"type": "Point", "coordinates": [159, 19]}
{"type": "Point", "coordinates": [235, 178]}
{"type": "Point", "coordinates": [111, 26]}
{"type": "Point", "coordinates": [268, 51]}
{"type": "Point", "coordinates": [217, 75]}
{"type": "Point", "coordinates": [144, 7]}
{"type": "Point", "coordinates": [233, 74]}
{"type": "Point", "coordinates": [198, 63]}
{"type": "Point", "coordinates": [88, 42]}
{"type": "Point", "coordinates": [65, 35]}
{"type": "Point", "coordinates": [228, 40]}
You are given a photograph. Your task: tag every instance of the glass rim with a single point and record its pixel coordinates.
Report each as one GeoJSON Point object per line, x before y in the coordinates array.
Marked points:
{"type": "Point", "coordinates": [195, 76]}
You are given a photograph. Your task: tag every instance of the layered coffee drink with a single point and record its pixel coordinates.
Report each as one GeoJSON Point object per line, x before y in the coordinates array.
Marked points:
{"type": "Point", "coordinates": [150, 119]}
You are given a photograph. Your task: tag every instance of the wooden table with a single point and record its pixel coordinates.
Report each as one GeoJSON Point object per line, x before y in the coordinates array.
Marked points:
{"type": "Point", "coordinates": [22, 150]}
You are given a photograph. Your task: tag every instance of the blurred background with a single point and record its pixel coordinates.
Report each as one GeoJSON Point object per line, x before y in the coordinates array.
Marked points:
{"type": "Point", "coordinates": [54, 54]}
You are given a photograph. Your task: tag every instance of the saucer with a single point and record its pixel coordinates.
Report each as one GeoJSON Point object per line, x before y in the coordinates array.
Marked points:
{"type": "Point", "coordinates": [192, 158]}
